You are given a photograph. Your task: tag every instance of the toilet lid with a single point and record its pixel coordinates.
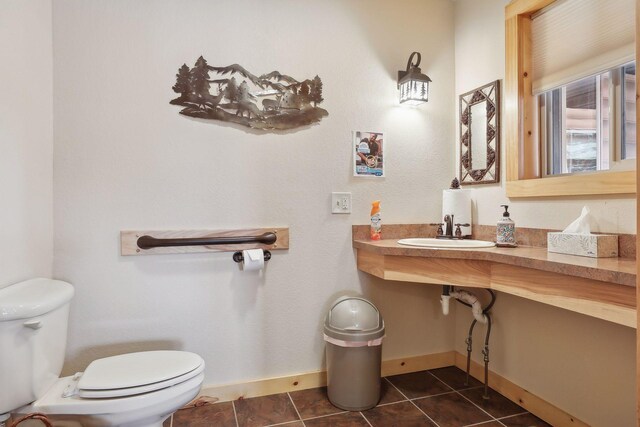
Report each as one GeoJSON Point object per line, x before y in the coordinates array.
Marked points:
{"type": "Point", "coordinates": [135, 373]}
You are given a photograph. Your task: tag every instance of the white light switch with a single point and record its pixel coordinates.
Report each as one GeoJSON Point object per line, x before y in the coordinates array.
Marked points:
{"type": "Point", "coordinates": [341, 203]}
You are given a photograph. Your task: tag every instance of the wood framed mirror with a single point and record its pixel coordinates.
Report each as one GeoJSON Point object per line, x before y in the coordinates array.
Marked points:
{"type": "Point", "coordinates": [480, 135]}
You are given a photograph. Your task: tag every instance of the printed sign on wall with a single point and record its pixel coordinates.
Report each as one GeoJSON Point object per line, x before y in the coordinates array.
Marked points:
{"type": "Point", "coordinates": [368, 159]}
{"type": "Point", "coordinates": [271, 101]}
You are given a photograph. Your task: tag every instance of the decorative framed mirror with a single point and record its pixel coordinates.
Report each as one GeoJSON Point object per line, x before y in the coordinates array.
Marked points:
{"type": "Point", "coordinates": [480, 135]}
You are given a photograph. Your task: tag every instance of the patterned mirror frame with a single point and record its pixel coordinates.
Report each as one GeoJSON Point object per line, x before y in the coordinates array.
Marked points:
{"type": "Point", "coordinates": [491, 174]}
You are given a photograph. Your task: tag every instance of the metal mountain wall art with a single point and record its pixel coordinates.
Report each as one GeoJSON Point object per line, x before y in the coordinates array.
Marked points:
{"type": "Point", "coordinates": [272, 101]}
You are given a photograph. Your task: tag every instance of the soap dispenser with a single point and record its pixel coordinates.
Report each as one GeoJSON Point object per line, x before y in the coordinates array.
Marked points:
{"type": "Point", "coordinates": [506, 230]}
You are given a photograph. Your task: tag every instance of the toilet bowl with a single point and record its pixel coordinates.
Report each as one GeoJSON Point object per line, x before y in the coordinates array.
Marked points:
{"type": "Point", "coordinates": [130, 390]}
{"type": "Point", "coordinates": [105, 395]}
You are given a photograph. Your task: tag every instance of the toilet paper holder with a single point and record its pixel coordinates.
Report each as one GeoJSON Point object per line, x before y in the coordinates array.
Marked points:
{"type": "Point", "coordinates": [239, 258]}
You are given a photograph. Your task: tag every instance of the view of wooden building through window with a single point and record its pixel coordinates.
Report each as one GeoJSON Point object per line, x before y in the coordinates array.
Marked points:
{"type": "Point", "coordinates": [589, 125]}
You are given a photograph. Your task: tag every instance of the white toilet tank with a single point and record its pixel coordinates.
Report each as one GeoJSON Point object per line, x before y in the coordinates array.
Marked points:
{"type": "Point", "coordinates": [33, 337]}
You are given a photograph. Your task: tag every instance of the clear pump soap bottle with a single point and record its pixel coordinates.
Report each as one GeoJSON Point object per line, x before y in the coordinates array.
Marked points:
{"type": "Point", "coordinates": [506, 230]}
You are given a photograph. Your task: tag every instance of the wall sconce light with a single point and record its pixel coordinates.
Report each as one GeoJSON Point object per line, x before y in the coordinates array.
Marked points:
{"type": "Point", "coordinates": [413, 85]}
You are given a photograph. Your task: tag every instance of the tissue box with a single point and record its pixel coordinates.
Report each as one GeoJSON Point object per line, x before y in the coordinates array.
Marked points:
{"type": "Point", "coordinates": [591, 245]}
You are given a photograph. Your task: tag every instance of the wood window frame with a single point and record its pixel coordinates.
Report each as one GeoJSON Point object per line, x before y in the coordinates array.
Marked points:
{"type": "Point", "coordinates": [523, 154]}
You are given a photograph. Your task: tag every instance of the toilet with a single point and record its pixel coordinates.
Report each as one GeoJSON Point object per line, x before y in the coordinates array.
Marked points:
{"type": "Point", "coordinates": [129, 390]}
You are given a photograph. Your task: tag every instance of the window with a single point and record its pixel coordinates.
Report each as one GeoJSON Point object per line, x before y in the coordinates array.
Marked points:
{"type": "Point", "coordinates": [628, 88]}
{"type": "Point", "coordinates": [589, 125]}
{"type": "Point", "coordinates": [551, 44]}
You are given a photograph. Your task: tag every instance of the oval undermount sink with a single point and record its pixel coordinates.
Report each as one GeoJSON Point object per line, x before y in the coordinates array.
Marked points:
{"type": "Point", "coordinates": [446, 244]}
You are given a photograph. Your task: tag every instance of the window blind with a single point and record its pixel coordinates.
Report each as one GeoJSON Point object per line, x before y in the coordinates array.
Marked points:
{"type": "Point", "coordinates": [573, 39]}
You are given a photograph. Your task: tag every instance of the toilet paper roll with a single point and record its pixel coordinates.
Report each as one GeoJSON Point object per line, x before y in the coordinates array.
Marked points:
{"type": "Point", "coordinates": [457, 202]}
{"type": "Point", "coordinates": [253, 260]}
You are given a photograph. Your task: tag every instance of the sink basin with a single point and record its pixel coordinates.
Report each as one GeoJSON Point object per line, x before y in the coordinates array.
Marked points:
{"type": "Point", "coordinates": [446, 244]}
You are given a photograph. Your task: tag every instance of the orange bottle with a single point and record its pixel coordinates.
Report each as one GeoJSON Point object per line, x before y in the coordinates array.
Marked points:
{"type": "Point", "coordinates": [376, 221]}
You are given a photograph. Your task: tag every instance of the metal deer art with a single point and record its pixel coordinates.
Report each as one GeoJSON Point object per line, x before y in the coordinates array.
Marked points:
{"type": "Point", "coordinates": [286, 103]}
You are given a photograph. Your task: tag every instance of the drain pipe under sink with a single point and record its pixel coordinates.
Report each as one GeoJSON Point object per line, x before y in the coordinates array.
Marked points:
{"type": "Point", "coordinates": [480, 315]}
{"type": "Point", "coordinates": [463, 296]}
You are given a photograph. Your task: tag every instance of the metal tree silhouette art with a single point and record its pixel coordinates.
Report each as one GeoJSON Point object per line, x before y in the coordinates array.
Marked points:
{"type": "Point", "coordinates": [286, 102]}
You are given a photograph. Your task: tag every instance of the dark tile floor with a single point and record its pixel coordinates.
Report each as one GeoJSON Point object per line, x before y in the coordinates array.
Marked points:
{"type": "Point", "coordinates": [428, 398]}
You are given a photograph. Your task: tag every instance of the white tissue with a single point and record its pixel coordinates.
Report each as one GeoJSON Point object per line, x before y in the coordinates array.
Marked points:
{"type": "Point", "coordinates": [457, 202]}
{"type": "Point", "coordinates": [581, 225]}
{"type": "Point", "coordinates": [253, 260]}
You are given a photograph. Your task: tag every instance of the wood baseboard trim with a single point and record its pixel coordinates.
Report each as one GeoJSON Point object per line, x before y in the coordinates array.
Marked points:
{"type": "Point", "coordinates": [532, 403]}
{"type": "Point", "coordinates": [319, 378]}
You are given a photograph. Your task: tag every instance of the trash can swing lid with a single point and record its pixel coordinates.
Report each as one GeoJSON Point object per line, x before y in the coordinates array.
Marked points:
{"type": "Point", "coordinates": [354, 314]}
{"type": "Point", "coordinates": [354, 319]}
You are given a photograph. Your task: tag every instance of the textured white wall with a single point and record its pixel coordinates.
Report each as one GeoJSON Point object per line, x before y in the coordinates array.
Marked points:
{"type": "Point", "coordinates": [583, 365]}
{"type": "Point", "coordinates": [26, 141]}
{"type": "Point", "coordinates": [125, 159]}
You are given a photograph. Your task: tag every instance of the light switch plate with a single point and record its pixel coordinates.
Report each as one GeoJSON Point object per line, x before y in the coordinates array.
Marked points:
{"type": "Point", "coordinates": [341, 203]}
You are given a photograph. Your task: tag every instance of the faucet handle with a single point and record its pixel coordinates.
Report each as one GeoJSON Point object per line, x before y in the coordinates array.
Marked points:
{"type": "Point", "coordinates": [458, 232]}
{"type": "Point", "coordinates": [439, 231]}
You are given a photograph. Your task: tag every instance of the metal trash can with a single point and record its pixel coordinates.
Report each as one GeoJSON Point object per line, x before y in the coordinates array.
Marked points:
{"type": "Point", "coordinates": [353, 331]}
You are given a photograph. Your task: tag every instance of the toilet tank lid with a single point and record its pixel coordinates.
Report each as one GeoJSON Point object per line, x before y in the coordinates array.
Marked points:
{"type": "Point", "coordinates": [33, 298]}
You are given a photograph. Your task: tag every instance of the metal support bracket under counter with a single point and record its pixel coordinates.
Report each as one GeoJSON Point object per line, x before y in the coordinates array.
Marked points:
{"type": "Point", "coordinates": [603, 288]}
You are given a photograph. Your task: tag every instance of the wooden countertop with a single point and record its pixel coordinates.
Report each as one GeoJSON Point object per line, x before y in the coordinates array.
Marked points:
{"type": "Point", "coordinates": [621, 271]}
{"type": "Point", "coordinates": [598, 287]}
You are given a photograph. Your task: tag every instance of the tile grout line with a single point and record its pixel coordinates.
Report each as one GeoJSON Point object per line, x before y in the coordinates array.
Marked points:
{"type": "Point", "coordinates": [493, 418]}
{"type": "Point", "coordinates": [477, 406]}
{"type": "Point", "coordinates": [284, 423]}
{"type": "Point", "coordinates": [463, 396]}
{"type": "Point", "coordinates": [365, 419]}
{"type": "Point", "coordinates": [434, 376]}
{"type": "Point", "coordinates": [482, 422]}
{"type": "Point", "coordinates": [425, 414]}
{"type": "Point", "coordinates": [410, 401]}
{"type": "Point", "coordinates": [473, 388]}
{"type": "Point", "coordinates": [391, 403]}
{"type": "Point", "coordinates": [397, 389]}
{"type": "Point", "coordinates": [458, 392]}
{"type": "Point", "coordinates": [433, 395]}
{"type": "Point", "coordinates": [235, 415]}
{"type": "Point", "coordinates": [514, 415]}
{"type": "Point", "coordinates": [296, 409]}
{"type": "Point", "coordinates": [325, 416]}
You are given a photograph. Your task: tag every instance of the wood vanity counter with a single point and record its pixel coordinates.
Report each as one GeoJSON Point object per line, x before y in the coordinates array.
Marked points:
{"type": "Point", "coordinates": [598, 287]}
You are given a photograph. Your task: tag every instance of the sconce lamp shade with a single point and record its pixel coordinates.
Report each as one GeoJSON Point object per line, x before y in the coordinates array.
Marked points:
{"type": "Point", "coordinates": [413, 85]}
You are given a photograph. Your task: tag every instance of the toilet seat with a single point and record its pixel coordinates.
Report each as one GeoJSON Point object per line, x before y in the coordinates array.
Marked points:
{"type": "Point", "coordinates": [137, 373]}
{"type": "Point", "coordinates": [54, 402]}
{"type": "Point", "coordinates": [64, 395]}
